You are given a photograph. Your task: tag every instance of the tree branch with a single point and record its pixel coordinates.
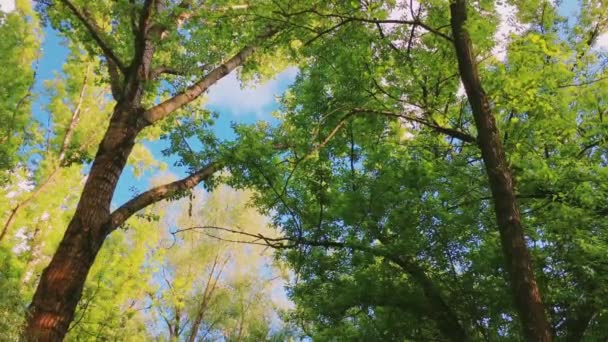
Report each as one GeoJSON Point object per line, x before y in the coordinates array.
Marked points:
{"type": "Point", "coordinates": [159, 193]}
{"type": "Point", "coordinates": [163, 69]}
{"type": "Point", "coordinates": [446, 318]}
{"type": "Point", "coordinates": [67, 138]}
{"type": "Point", "coordinates": [444, 130]}
{"type": "Point", "coordinates": [167, 107]}
{"type": "Point", "coordinates": [415, 22]}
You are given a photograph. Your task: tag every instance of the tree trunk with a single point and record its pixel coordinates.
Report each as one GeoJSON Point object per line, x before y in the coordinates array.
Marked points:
{"type": "Point", "coordinates": [517, 257]}
{"type": "Point", "coordinates": [52, 308]}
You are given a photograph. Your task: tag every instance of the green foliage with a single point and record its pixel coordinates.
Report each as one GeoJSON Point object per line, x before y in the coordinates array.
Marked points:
{"type": "Point", "coordinates": [207, 288]}
{"type": "Point", "coordinates": [361, 157]}
{"type": "Point", "coordinates": [372, 174]}
{"type": "Point", "coordinates": [18, 52]}
{"type": "Point", "coordinates": [11, 302]}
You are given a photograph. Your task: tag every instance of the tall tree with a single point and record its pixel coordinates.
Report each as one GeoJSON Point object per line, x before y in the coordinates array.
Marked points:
{"type": "Point", "coordinates": [517, 257]}
{"type": "Point", "coordinates": [59, 146]}
{"type": "Point", "coordinates": [209, 288]}
{"type": "Point", "coordinates": [142, 44]}
{"type": "Point", "coordinates": [41, 195]}
{"type": "Point", "coordinates": [398, 203]}
{"type": "Point", "coordinates": [374, 100]}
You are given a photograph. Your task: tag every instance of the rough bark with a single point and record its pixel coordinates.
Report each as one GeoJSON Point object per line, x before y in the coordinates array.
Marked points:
{"type": "Point", "coordinates": [61, 283]}
{"type": "Point", "coordinates": [524, 288]}
{"type": "Point", "coordinates": [60, 288]}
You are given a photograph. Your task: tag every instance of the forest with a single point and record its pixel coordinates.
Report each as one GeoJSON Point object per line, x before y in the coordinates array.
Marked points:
{"type": "Point", "coordinates": [304, 170]}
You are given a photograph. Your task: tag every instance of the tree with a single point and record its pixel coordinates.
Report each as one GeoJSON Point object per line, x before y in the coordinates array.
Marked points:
{"type": "Point", "coordinates": [209, 288]}
{"type": "Point", "coordinates": [156, 40]}
{"type": "Point", "coordinates": [454, 175]}
{"type": "Point", "coordinates": [41, 195]}
{"type": "Point", "coordinates": [56, 153]}
{"type": "Point", "coordinates": [517, 257]}
{"type": "Point", "coordinates": [114, 300]}
{"type": "Point", "coordinates": [378, 105]}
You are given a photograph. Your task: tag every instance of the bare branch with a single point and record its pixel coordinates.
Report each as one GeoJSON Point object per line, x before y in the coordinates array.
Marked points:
{"type": "Point", "coordinates": [163, 69]}
{"type": "Point", "coordinates": [328, 30]}
{"type": "Point", "coordinates": [446, 318]}
{"type": "Point", "coordinates": [415, 22]}
{"type": "Point", "coordinates": [582, 83]}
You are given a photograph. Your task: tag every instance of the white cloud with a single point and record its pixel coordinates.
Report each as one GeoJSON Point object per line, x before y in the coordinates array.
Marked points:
{"type": "Point", "coordinates": [602, 42]}
{"type": "Point", "coordinates": [508, 25]}
{"type": "Point", "coordinates": [403, 10]}
{"type": "Point", "coordinates": [461, 91]}
{"type": "Point", "coordinates": [7, 5]}
{"type": "Point", "coordinates": [228, 95]}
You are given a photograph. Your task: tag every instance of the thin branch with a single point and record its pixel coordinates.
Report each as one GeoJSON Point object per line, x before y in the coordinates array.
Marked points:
{"type": "Point", "coordinates": [584, 83]}
{"type": "Point", "coordinates": [440, 311]}
{"type": "Point", "coordinates": [326, 31]}
{"type": "Point", "coordinates": [444, 130]}
{"type": "Point", "coordinates": [67, 138]}
{"type": "Point", "coordinates": [163, 69]}
{"type": "Point", "coordinates": [415, 22]}
{"type": "Point", "coordinates": [13, 214]}
{"type": "Point", "coordinates": [21, 102]}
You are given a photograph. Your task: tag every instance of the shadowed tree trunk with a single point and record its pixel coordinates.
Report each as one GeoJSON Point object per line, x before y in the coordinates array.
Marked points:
{"type": "Point", "coordinates": [517, 257]}
{"type": "Point", "coordinates": [577, 323]}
